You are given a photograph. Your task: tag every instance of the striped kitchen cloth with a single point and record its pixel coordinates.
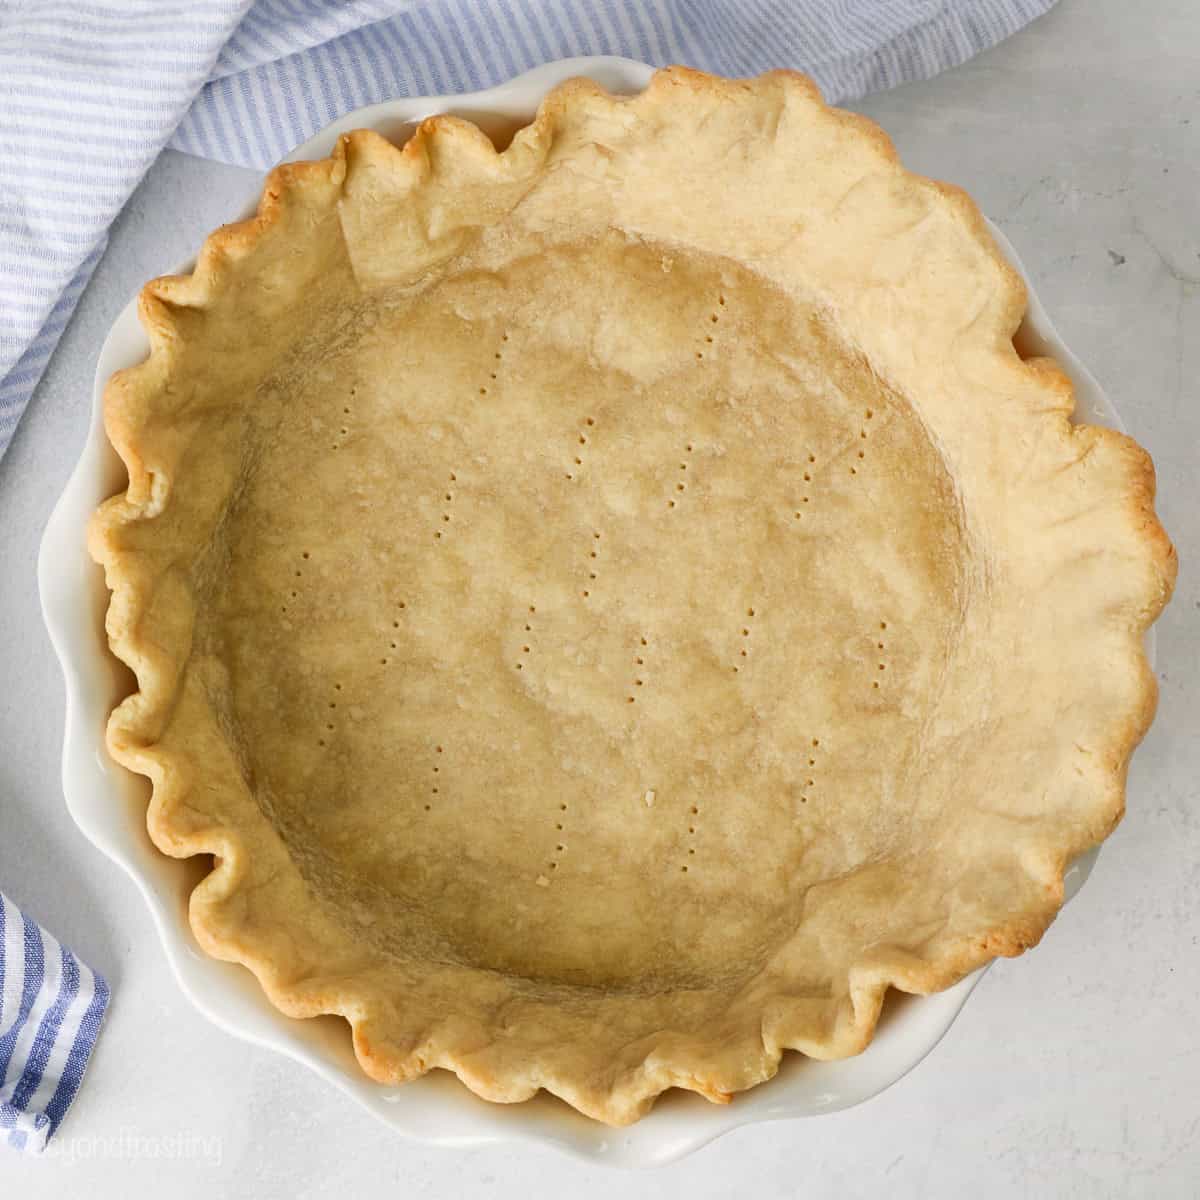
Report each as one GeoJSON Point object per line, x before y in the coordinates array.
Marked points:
{"type": "Point", "coordinates": [91, 92]}
{"type": "Point", "coordinates": [51, 1006]}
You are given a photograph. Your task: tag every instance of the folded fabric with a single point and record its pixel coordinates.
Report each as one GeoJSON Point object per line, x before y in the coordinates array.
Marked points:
{"type": "Point", "coordinates": [51, 1007]}
{"type": "Point", "coordinates": [90, 93]}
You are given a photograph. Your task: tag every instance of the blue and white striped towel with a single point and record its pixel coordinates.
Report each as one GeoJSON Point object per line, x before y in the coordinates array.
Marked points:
{"type": "Point", "coordinates": [51, 1007]}
{"type": "Point", "coordinates": [91, 92]}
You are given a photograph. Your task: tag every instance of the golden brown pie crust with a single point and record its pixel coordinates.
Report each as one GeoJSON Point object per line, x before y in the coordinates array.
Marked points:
{"type": "Point", "coordinates": [612, 608]}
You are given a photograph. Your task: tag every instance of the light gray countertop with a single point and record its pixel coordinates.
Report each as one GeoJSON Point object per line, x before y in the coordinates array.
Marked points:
{"type": "Point", "coordinates": [1073, 1071]}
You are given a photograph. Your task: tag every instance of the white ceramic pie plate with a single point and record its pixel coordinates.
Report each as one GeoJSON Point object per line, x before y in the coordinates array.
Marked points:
{"type": "Point", "coordinates": [109, 803]}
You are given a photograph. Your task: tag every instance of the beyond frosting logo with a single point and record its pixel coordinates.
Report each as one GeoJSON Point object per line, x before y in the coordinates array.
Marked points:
{"type": "Point", "coordinates": [128, 1144]}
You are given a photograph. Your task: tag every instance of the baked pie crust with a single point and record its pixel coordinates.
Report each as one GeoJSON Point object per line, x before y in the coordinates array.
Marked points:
{"type": "Point", "coordinates": [612, 608]}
